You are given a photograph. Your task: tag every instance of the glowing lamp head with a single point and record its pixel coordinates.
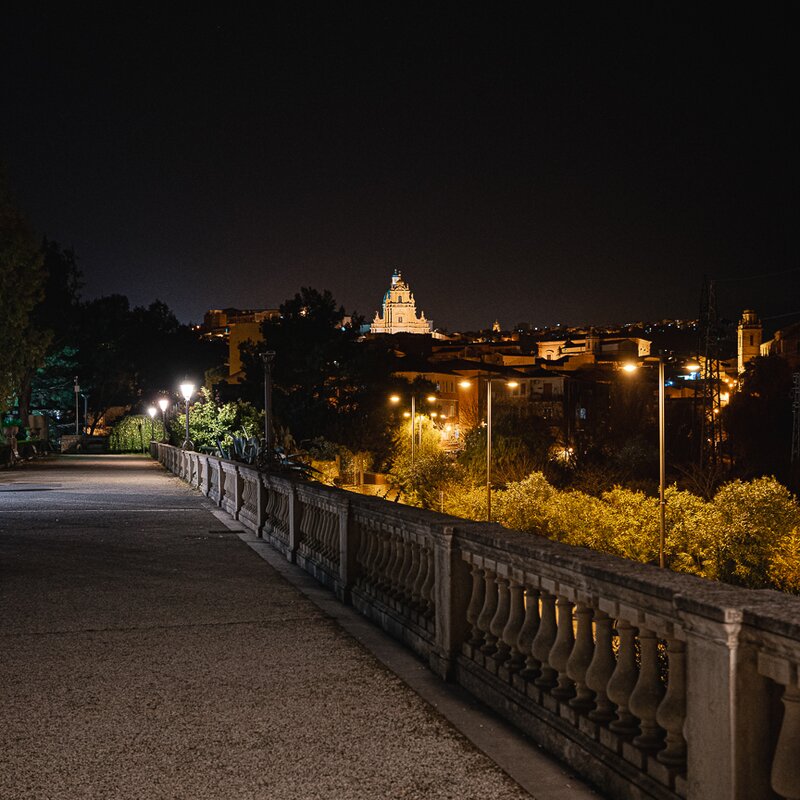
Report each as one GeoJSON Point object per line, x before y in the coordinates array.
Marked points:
{"type": "Point", "coordinates": [163, 403]}
{"type": "Point", "coordinates": [465, 384]}
{"type": "Point", "coordinates": [693, 367]}
{"type": "Point", "coordinates": [395, 398]}
{"type": "Point", "coordinates": [431, 398]}
{"type": "Point", "coordinates": [187, 390]}
{"type": "Point", "coordinates": [434, 414]}
{"type": "Point", "coordinates": [152, 411]}
{"type": "Point", "coordinates": [630, 367]}
{"type": "Point", "coordinates": [512, 384]}
{"type": "Point", "coordinates": [406, 413]}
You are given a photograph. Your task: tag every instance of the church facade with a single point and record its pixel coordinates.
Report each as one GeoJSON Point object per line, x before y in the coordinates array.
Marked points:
{"type": "Point", "coordinates": [398, 313]}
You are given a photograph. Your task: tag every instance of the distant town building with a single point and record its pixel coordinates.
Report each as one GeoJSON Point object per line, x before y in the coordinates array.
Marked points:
{"type": "Point", "coordinates": [749, 339]}
{"type": "Point", "coordinates": [236, 326]}
{"type": "Point", "coordinates": [592, 347]}
{"type": "Point", "coordinates": [786, 344]}
{"type": "Point", "coordinates": [399, 311]}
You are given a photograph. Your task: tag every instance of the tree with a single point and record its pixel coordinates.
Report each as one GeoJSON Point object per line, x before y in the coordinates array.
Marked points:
{"type": "Point", "coordinates": [210, 423]}
{"type": "Point", "coordinates": [422, 481]}
{"type": "Point", "coordinates": [521, 442]}
{"type": "Point", "coordinates": [753, 519]}
{"type": "Point", "coordinates": [48, 385]}
{"type": "Point", "coordinates": [326, 382]}
{"type": "Point", "coordinates": [758, 418]}
{"type": "Point", "coordinates": [21, 345]}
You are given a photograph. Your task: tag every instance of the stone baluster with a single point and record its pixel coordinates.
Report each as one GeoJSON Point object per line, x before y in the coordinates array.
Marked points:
{"type": "Point", "coordinates": [364, 541]}
{"type": "Point", "coordinates": [475, 605]}
{"type": "Point", "coordinates": [623, 680]}
{"type": "Point", "coordinates": [527, 634]}
{"type": "Point", "coordinates": [402, 573]}
{"type": "Point", "coordinates": [543, 643]}
{"type": "Point", "coordinates": [399, 563]}
{"type": "Point", "coordinates": [321, 520]}
{"type": "Point", "coordinates": [419, 578]}
{"type": "Point", "coordinates": [671, 713]}
{"type": "Point", "coordinates": [389, 569]}
{"type": "Point", "coordinates": [488, 611]}
{"type": "Point", "coordinates": [785, 774]}
{"type": "Point", "coordinates": [601, 669]}
{"type": "Point", "coordinates": [430, 580]}
{"type": "Point", "coordinates": [371, 539]}
{"type": "Point", "coordinates": [331, 535]}
{"type": "Point", "coordinates": [412, 577]}
{"type": "Point", "coordinates": [562, 649]}
{"type": "Point", "coordinates": [384, 556]}
{"type": "Point", "coordinates": [500, 618]}
{"type": "Point", "coordinates": [581, 657]}
{"type": "Point", "coordinates": [305, 526]}
{"type": "Point", "coordinates": [516, 618]}
{"type": "Point", "coordinates": [647, 693]}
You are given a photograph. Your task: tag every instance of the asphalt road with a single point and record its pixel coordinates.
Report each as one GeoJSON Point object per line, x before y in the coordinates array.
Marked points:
{"type": "Point", "coordinates": [147, 652]}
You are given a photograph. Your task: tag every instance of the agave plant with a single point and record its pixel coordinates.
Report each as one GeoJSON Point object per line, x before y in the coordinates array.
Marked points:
{"type": "Point", "coordinates": [250, 450]}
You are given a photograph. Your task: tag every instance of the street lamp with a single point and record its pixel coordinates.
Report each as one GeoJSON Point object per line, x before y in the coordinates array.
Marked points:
{"type": "Point", "coordinates": [395, 398]}
{"type": "Point", "coordinates": [489, 381]}
{"type": "Point", "coordinates": [267, 358]}
{"type": "Point", "coordinates": [152, 411]}
{"type": "Point", "coordinates": [662, 458]}
{"type": "Point", "coordinates": [163, 402]}
{"type": "Point", "coordinates": [187, 390]}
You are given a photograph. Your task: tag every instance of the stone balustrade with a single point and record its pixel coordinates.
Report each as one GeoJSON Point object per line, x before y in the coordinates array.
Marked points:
{"type": "Point", "coordinates": [646, 682]}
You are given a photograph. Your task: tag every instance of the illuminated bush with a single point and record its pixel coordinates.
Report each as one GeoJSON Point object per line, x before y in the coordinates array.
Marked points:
{"type": "Point", "coordinates": [132, 434]}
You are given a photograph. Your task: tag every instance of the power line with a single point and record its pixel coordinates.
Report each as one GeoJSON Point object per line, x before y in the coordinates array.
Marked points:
{"type": "Point", "coordinates": [756, 277]}
{"type": "Point", "coordinates": [778, 316]}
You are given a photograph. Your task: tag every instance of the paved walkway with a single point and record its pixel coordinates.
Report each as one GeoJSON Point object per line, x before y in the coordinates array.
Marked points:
{"type": "Point", "coordinates": [147, 652]}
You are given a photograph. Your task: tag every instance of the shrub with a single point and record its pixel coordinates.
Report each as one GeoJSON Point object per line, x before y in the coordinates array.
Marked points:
{"type": "Point", "coordinates": [132, 434]}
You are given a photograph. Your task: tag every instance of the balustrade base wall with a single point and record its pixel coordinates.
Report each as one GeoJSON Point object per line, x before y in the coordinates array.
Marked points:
{"type": "Point", "coordinates": [647, 683]}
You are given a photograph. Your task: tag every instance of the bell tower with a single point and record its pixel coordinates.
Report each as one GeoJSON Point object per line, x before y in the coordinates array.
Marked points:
{"type": "Point", "coordinates": [749, 339]}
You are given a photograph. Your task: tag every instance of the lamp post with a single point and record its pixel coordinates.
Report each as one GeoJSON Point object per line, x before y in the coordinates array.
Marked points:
{"type": "Point", "coordinates": [162, 404]}
{"type": "Point", "coordinates": [395, 398]}
{"type": "Point", "coordinates": [77, 414]}
{"type": "Point", "coordinates": [267, 358]}
{"type": "Point", "coordinates": [152, 411]}
{"type": "Point", "coordinates": [489, 381]}
{"type": "Point", "coordinates": [187, 390]}
{"type": "Point", "coordinates": [662, 453]}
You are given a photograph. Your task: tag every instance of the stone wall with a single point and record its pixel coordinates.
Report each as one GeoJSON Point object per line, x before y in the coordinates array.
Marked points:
{"type": "Point", "coordinates": [646, 682]}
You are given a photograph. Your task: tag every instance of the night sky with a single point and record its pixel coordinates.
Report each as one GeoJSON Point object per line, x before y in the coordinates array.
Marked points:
{"type": "Point", "coordinates": [572, 169]}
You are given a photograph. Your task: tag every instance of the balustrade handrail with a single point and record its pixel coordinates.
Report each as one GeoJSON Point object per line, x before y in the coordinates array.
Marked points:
{"type": "Point", "coordinates": [650, 683]}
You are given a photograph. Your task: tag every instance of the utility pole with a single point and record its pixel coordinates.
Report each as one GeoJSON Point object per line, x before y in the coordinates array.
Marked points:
{"type": "Point", "coordinates": [77, 413]}
{"type": "Point", "coordinates": [795, 420]}
{"type": "Point", "coordinates": [268, 357]}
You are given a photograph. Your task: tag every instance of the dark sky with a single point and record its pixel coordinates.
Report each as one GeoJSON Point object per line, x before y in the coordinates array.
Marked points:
{"type": "Point", "coordinates": [573, 169]}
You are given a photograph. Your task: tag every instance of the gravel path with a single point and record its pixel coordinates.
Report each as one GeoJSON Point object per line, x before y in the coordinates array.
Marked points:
{"type": "Point", "coordinates": [146, 652]}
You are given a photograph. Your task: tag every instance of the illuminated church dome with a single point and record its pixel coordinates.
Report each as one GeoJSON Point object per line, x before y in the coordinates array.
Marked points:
{"type": "Point", "coordinates": [399, 311]}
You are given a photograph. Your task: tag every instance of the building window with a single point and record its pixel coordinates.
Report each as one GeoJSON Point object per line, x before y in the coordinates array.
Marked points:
{"type": "Point", "coordinates": [399, 319]}
{"type": "Point", "coordinates": [751, 340]}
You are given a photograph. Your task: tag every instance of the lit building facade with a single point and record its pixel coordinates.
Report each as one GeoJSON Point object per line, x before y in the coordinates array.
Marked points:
{"type": "Point", "coordinates": [749, 337]}
{"type": "Point", "coordinates": [398, 313]}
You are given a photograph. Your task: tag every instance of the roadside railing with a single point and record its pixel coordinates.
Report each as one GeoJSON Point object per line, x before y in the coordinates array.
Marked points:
{"type": "Point", "coordinates": [646, 682]}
